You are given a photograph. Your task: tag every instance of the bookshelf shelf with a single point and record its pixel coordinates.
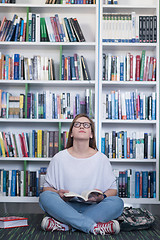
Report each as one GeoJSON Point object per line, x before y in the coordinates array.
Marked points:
{"type": "Point", "coordinates": [129, 7]}
{"type": "Point", "coordinates": [56, 6]}
{"type": "Point", "coordinates": [129, 121]}
{"type": "Point", "coordinates": [50, 44]}
{"type": "Point", "coordinates": [130, 83]}
{"type": "Point", "coordinates": [139, 45]}
{"type": "Point", "coordinates": [36, 200]}
{"type": "Point", "coordinates": [25, 159]}
{"type": "Point", "coordinates": [24, 120]}
{"type": "Point", "coordinates": [66, 83]}
{"type": "Point", "coordinates": [120, 160]}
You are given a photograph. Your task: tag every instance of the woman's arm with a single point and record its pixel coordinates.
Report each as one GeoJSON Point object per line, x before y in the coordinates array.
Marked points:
{"type": "Point", "coordinates": [60, 192]}
{"type": "Point", "coordinates": [111, 192]}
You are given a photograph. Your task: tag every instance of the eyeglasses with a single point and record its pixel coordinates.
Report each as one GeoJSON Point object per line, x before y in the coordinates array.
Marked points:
{"type": "Point", "coordinates": [85, 124]}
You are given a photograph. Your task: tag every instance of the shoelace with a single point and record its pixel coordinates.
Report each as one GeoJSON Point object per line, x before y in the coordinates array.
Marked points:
{"type": "Point", "coordinates": [53, 225]}
{"type": "Point", "coordinates": [106, 228]}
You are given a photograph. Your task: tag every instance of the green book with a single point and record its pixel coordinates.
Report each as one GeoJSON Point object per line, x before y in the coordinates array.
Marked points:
{"type": "Point", "coordinates": [30, 28]}
{"type": "Point", "coordinates": [142, 65]}
{"type": "Point", "coordinates": [45, 30]}
{"type": "Point", "coordinates": [27, 24]}
{"type": "Point", "coordinates": [41, 29]}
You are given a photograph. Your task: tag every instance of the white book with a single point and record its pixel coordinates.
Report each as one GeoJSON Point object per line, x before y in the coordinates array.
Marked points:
{"type": "Point", "coordinates": [149, 145]}
{"type": "Point", "coordinates": [22, 183]}
{"type": "Point", "coordinates": [9, 182]}
{"type": "Point", "coordinates": [49, 29]}
{"type": "Point", "coordinates": [39, 67]}
{"type": "Point", "coordinates": [42, 68]}
{"type": "Point", "coordinates": [133, 16]}
{"type": "Point", "coordinates": [132, 186]}
{"type": "Point", "coordinates": [37, 27]}
{"type": "Point", "coordinates": [65, 30]}
{"type": "Point", "coordinates": [118, 68]}
{"type": "Point", "coordinates": [110, 144]}
{"type": "Point", "coordinates": [128, 67]}
{"type": "Point", "coordinates": [46, 68]}
{"type": "Point", "coordinates": [123, 106]}
{"type": "Point", "coordinates": [18, 146]}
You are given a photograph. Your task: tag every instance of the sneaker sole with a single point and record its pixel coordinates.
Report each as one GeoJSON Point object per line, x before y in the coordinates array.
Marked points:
{"type": "Point", "coordinates": [43, 223]}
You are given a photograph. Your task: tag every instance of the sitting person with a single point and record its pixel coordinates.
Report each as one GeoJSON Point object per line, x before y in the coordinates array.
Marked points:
{"type": "Point", "coordinates": [81, 167]}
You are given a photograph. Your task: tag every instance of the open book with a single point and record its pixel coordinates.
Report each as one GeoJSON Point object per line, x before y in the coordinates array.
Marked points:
{"type": "Point", "coordinates": [84, 197]}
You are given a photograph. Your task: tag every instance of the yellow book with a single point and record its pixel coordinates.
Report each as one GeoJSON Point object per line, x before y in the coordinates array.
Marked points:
{"type": "Point", "coordinates": [38, 139]}
{"type": "Point", "coordinates": [40, 143]}
{"type": "Point", "coordinates": [2, 145]}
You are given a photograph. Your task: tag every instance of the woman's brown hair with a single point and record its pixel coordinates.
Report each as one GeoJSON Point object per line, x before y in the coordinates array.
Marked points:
{"type": "Point", "coordinates": [92, 141]}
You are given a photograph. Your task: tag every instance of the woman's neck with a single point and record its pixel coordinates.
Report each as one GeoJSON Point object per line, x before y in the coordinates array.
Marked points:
{"type": "Point", "coordinates": [81, 149]}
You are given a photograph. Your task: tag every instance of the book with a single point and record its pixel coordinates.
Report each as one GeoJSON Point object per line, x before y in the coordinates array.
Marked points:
{"type": "Point", "coordinates": [13, 221]}
{"type": "Point", "coordinates": [83, 197]}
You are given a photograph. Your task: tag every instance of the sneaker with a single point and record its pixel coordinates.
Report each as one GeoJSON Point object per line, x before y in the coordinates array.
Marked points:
{"type": "Point", "coordinates": [50, 224]}
{"type": "Point", "coordinates": [111, 227]}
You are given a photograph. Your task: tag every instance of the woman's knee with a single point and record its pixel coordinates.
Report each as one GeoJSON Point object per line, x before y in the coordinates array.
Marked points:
{"type": "Point", "coordinates": [117, 203]}
{"type": "Point", "coordinates": [46, 196]}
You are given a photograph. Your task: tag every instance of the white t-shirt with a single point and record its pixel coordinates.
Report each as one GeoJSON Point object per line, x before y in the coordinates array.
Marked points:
{"type": "Point", "coordinates": [80, 174]}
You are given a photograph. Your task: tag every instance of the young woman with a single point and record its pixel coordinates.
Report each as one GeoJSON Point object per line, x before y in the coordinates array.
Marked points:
{"type": "Point", "coordinates": [80, 167]}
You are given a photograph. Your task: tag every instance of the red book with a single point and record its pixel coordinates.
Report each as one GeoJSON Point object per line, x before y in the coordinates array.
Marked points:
{"type": "Point", "coordinates": [131, 67]}
{"type": "Point", "coordinates": [138, 65]}
{"type": "Point", "coordinates": [22, 146]}
{"type": "Point", "coordinates": [128, 147]}
{"type": "Point", "coordinates": [154, 70]}
{"type": "Point", "coordinates": [12, 221]}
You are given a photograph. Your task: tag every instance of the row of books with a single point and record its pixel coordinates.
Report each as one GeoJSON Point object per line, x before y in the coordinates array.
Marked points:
{"type": "Point", "coordinates": [46, 105]}
{"type": "Point", "coordinates": [7, 1]}
{"type": "Point", "coordinates": [12, 182]}
{"type": "Point", "coordinates": [129, 145]}
{"type": "Point", "coordinates": [70, 2]}
{"type": "Point", "coordinates": [110, 1]}
{"type": "Point", "coordinates": [34, 28]}
{"type": "Point", "coordinates": [129, 67]}
{"type": "Point", "coordinates": [38, 144]}
{"type": "Point", "coordinates": [129, 105]}
{"type": "Point", "coordinates": [75, 68]}
{"type": "Point", "coordinates": [136, 184]}
{"type": "Point", "coordinates": [129, 28]}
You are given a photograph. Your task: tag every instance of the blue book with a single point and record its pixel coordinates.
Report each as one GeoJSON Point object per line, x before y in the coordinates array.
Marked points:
{"type": "Point", "coordinates": [116, 105]}
{"type": "Point", "coordinates": [13, 183]}
{"type": "Point", "coordinates": [68, 30]}
{"type": "Point", "coordinates": [103, 145]}
{"type": "Point", "coordinates": [132, 105]}
{"type": "Point", "coordinates": [12, 27]}
{"type": "Point", "coordinates": [4, 182]}
{"type": "Point", "coordinates": [145, 184]}
{"type": "Point", "coordinates": [109, 107]}
{"type": "Point", "coordinates": [141, 108]}
{"type": "Point", "coordinates": [154, 106]}
{"type": "Point", "coordinates": [6, 66]}
{"type": "Point", "coordinates": [21, 30]}
{"type": "Point", "coordinates": [59, 28]}
{"type": "Point", "coordinates": [16, 32]}
{"type": "Point", "coordinates": [33, 143]}
{"type": "Point", "coordinates": [56, 108]}
{"type": "Point", "coordinates": [73, 72]}
{"type": "Point", "coordinates": [62, 77]}
{"type": "Point", "coordinates": [69, 68]}
{"type": "Point", "coordinates": [154, 147]}
{"type": "Point", "coordinates": [16, 66]}
{"type": "Point", "coordinates": [113, 104]}
{"type": "Point", "coordinates": [121, 71]}
{"type": "Point", "coordinates": [127, 105]}
{"type": "Point", "coordinates": [125, 144]}
{"type": "Point", "coordinates": [137, 184]}
{"type": "Point", "coordinates": [131, 147]}
{"type": "Point", "coordinates": [154, 184]}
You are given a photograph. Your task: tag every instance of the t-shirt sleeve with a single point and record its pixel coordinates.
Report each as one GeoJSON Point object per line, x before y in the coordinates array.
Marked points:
{"type": "Point", "coordinates": [50, 180]}
{"type": "Point", "coordinates": [110, 177]}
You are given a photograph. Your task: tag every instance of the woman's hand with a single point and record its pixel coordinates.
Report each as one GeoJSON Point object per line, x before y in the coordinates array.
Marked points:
{"type": "Point", "coordinates": [95, 197]}
{"type": "Point", "coordinates": [61, 194]}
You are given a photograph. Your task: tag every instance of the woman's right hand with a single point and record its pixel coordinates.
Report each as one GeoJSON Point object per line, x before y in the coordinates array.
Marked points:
{"type": "Point", "coordinates": [61, 194]}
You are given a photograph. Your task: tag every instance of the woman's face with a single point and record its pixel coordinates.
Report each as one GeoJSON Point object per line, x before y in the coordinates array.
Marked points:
{"type": "Point", "coordinates": [82, 129]}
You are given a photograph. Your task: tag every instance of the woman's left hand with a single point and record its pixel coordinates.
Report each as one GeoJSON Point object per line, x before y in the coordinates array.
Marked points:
{"type": "Point", "coordinates": [95, 197]}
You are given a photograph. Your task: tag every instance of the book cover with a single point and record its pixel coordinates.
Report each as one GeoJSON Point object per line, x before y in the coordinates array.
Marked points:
{"type": "Point", "coordinates": [13, 221]}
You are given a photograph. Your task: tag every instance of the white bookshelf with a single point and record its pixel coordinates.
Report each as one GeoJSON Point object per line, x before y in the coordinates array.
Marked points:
{"type": "Point", "coordinates": [90, 20]}
{"type": "Point", "coordinates": [108, 125]}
